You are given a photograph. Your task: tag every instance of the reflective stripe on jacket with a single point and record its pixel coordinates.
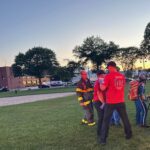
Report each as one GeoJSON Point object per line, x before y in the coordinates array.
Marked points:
{"type": "Point", "coordinates": [84, 92]}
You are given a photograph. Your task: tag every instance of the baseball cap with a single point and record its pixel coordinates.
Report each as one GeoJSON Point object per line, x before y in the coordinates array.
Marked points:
{"type": "Point", "coordinates": [111, 63]}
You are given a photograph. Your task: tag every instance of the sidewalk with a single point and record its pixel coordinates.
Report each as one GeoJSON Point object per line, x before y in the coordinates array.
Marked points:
{"type": "Point", "coordinates": [31, 98]}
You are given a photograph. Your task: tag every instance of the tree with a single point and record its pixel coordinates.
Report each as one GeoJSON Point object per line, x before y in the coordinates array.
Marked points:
{"type": "Point", "coordinates": [67, 72]}
{"type": "Point", "coordinates": [145, 44]}
{"type": "Point", "coordinates": [127, 57]}
{"type": "Point", "coordinates": [18, 67]}
{"type": "Point", "coordinates": [73, 66]}
{"type": "Point", "coordinates": [61, 73]}
{"type": "Point", "coordinates": [94, 49]}
{"type": "Point", "coordinates": [37, 62]}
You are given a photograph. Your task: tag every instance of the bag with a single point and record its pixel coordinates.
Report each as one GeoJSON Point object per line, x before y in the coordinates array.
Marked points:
{"type": "Point", "coordinates": [133, 90]}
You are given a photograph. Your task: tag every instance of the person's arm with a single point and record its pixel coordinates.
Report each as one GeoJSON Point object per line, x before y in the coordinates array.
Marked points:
{"type": "Point", "coordinates": [79, 93]}
{"type": "Point", "coordinates": [98, 91]}
{"type": "Point", "coordinates": [100, 96]}
{"type": "Point", "coordinates": [104, 85]}
{"type": "Point", "coordinates": [91, 88]}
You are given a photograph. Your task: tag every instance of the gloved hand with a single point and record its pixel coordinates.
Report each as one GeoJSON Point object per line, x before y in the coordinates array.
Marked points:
{"type": "Point", "coordinates": [102, 106]}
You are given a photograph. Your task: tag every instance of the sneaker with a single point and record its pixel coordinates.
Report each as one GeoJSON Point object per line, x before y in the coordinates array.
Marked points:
{"type": "Point", "coordinates": [144, 126]}
{"type": "Point", "coordinates": [83, 121]}
{"type": "Point", "coordinates": [103, 142]}
{"type": "Point", "coordinates": [92, 123]}
{"type": "Point", "coordinates": [129, 137]}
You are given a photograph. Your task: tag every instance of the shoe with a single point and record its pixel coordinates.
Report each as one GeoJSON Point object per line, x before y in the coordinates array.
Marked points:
{"type": "Point", "coordinates": [84, 122]}
{"type": "Point", "coordinates": [129, 137]}
{"type": "Point", "coordinates": [103, 142]}
{"type": "Point", "coordinates": [144, 126]}
{"type": "Point", "coordinates": [92, 123]}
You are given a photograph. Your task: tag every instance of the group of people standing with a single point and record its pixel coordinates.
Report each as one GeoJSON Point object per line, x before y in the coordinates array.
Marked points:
{"type": "Point", "coordinates": [108, 99]}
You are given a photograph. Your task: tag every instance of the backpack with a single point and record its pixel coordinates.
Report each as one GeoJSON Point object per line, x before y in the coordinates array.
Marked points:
{"type": "Point", "coordinates": [133, 90]}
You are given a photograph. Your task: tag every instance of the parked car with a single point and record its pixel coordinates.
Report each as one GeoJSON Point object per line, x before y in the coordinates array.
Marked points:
{"type": "Point", "coordinates": [56, 83]}
{"type": "Point", "coordinates": [4, 89]}
{"type": "Point", "coordinates": [43, 86]}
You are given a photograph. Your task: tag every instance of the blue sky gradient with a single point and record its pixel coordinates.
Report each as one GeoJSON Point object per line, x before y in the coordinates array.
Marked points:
{"type": "Point", "coordinates": [62, 24]}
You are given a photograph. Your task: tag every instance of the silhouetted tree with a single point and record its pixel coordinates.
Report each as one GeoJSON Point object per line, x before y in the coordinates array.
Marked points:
{"type": "Point", "coordinates": [19, 65]}
{"type": "Point", "coordinates": [94, 49]}
{"type": "Point", "coordinates": [37, 62]}
{"type": "Point", "coordinates": [145, 45]}
{"type": "Point", "coordinates": [127, 57]}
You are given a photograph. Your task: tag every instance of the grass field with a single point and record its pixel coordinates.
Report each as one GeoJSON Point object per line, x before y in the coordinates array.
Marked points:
{"type": "Point", "coordinates": [37, 91]}
{"type": "Point", "coordinates": [55, 125]}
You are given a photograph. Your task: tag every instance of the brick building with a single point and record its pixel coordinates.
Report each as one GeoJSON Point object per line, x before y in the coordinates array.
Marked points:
{"type": "Point", "coordinates": [8, 80]}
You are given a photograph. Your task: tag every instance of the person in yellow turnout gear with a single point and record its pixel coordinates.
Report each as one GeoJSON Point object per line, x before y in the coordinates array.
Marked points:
{"type": "Point", "coordinates": [84, 92]}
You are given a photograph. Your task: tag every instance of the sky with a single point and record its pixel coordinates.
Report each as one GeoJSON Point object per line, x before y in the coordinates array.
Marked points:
{"type": "Point", "coordinates": [60, 25]}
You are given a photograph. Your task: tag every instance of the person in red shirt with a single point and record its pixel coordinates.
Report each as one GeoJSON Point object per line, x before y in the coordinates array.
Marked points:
{"type": "Point", "coordinates": [99, 99]}
{"type": "Point", "coordinates": [114, 84]}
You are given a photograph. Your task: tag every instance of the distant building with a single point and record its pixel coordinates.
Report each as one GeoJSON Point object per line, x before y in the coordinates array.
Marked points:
{"type": "Point", "coordinates": [33, 81]}
{"type": "Point", "coordinates": [8, 80]}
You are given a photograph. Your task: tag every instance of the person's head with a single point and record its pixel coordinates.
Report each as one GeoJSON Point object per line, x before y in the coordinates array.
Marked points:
{"type": "Point", "coordinates": [142, 78]}
{"type": "Point", "coordinates": [100, 73]}
{"type": "Point", "coordinates": [83, 74]}
{"type": "Point", "coordinates": [111, 66]}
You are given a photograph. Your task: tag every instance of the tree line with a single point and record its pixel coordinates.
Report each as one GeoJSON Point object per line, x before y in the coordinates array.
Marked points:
{"type": "Point", "coordinates": [40, 62]}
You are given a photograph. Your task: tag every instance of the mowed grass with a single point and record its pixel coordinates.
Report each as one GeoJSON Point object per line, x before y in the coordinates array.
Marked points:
{"type": "Point", "coordinates": [37, 91]}
{"type": "Point", "coordinates": [55, 125]}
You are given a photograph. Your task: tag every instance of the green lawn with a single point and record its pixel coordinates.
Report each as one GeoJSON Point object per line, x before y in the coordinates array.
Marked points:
{"type": "Point", "coordinates": [37, 91]}
{"type": "Point", "coordinates": [55, 125]}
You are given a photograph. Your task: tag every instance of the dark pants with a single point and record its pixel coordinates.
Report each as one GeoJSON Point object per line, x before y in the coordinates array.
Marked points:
{"type": "Point", "coordinates": [89, 113]}
{"type": "Point", "coordinates": [108, 110]}
{"type": "Point", "coordinates": [100, 115]}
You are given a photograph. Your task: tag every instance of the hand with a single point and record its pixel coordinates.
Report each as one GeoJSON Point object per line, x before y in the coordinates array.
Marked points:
{"type": "Point", "coordinates": [102, 106]}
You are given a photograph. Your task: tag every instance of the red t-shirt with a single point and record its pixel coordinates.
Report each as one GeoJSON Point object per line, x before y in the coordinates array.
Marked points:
{"type": "Point", "coordinates": [115, 83]}
{"type": "Point", "coordinates": [97, 88]}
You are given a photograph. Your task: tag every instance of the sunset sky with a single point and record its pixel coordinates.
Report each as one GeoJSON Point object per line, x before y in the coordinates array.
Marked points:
{"type": "Point", "coordinates": [62, 24]}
